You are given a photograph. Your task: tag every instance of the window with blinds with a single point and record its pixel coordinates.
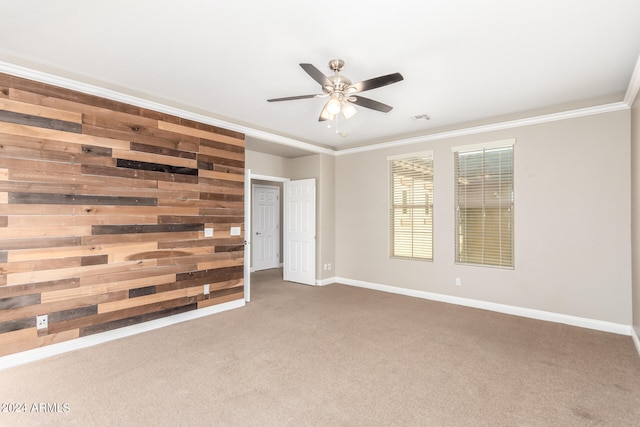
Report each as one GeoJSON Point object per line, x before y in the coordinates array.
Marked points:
{"type": "Point", "coordinates": [411, 206]}
{"type": "Point", "coordinates": [484, 202]}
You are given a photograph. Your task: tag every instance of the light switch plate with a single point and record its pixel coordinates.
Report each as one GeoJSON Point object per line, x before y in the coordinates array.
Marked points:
{"type": "Point", "coordinates": [235, 231]}
{"type": "Point", "coordinates": [208, 232]}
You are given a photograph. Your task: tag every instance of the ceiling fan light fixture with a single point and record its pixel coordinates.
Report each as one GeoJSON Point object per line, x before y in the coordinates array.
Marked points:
{"type": "Point", "coordinates": [348, 110]}
{"type": "Point", "coordinates": [334, 106]}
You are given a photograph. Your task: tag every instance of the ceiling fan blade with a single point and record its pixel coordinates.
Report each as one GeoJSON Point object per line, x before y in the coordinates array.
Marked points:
{"type": "Point", "coordinates": [325, 114]}
{"type": "Point", "coordinates": [316, 75]}
{"type": "Point", "coordinates": [292, 98]}
{"type": "Point", "coordinates": [370, 103]}
{"type": "Point", "coordinates": [375, 83]}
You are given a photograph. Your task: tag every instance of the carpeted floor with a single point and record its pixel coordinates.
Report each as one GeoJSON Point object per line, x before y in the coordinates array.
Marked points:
{"type": "Point", "coordinates": [337, 356]}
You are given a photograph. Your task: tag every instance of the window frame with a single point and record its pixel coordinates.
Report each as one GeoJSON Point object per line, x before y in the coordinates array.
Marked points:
{"type": "Point", "coordinates": [410, 207]}
{"type": "Point", "coordinates": [458, 259]}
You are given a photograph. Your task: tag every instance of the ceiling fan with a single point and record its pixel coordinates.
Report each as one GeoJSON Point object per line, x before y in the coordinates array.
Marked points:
{"type": "Point", "coordinates": [342, 93]}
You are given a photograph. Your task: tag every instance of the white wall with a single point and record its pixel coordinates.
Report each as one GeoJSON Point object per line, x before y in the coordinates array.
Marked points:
{"type": "Point", "coordinates": [572, 221]}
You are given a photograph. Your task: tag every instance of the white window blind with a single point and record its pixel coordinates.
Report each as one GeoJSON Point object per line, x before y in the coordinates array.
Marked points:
{"type": "Point", "coordinates": [484, 202]}
{"type": "Point", "coordinates": [411, 206]}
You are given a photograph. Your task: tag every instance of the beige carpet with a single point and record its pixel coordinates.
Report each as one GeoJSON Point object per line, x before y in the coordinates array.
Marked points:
{"type": "Point", "coordinates": [338, 356]}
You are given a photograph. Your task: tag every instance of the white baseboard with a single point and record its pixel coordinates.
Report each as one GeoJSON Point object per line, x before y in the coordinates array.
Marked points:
{"type": "Point", "coordinates": [325, 282]}
{"type": "Point", "coordinates": [582, 322]}
{"type": "Point", "coordinates": [91, 340]}
{"type": "Point", "coordinates": [636, 340]}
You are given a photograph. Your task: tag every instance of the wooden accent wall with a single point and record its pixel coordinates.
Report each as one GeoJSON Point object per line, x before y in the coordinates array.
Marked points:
{"type": "Point", "coordinates": [103, 208]}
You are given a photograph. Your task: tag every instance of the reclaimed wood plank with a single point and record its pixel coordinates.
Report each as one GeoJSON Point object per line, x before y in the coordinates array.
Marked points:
{"type": "Point", "coordinates": [222, 299]}
{"type": "Point", "coordinates": [37, 232]}
{"type": "Point", "coordinates": [66, 273]}
{"type": "Point", "coordinates": [57, 135]}
{"type": "Point", "coordinates": [78, 199]}
{"type": "Point", "coordinates": [39, 121]}
{"type": "Point", "coordinates": [80, 251]}
{"type": "Point", "coordinates": [185, 130]}
{"type": "Point", "coordinates": [40, 110]}
{"type": "Point", "coordinates": [30, 340]}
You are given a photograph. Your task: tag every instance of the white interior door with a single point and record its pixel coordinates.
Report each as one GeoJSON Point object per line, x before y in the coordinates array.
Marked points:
{"type": "Point", "coordinates": [300, 231]}
{"type": "Point", "coordinates": [266, 227]}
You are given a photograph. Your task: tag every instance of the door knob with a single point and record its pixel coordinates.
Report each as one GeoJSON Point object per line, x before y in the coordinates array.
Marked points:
{"type": "Point", "coordinates": [258, 233]}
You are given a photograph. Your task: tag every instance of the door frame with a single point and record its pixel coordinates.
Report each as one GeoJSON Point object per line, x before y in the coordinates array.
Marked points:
{"type": "Point", "coordinates": [248, 176]}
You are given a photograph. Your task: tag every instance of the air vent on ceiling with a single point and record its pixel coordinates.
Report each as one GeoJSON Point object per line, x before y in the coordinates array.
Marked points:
{"type": "Point", "coordinates": [421, 117]}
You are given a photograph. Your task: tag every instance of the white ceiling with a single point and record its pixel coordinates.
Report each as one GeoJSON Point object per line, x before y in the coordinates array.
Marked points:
{"type": "Point", "coordinates": [463, 61]}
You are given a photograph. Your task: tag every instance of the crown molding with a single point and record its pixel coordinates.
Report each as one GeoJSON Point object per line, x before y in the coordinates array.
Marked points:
{"type": "Point", "coordinates": [634, 85]}
{"type": "Point", "coordinates": [113, 95]}
{"type": "Point", "coordinates": [564, 115]}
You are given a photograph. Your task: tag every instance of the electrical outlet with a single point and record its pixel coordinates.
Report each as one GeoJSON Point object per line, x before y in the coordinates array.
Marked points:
{"type": "Point", "coordinates": [458, 281]}
{"type": "Point", "coordinates": [206, 289]}
{"type": "Point", "coordinates": [208, 232]}
{"type": "Point", "coordinates": [329, 266]}
{"type": "Point", "coordinates": [42, 321]}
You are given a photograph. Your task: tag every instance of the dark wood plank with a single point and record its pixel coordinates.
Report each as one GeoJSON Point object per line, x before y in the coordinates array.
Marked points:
{"type": "Point", "coordinates": [91, 150]}
{"type": "Point", "coordinates": [19, 301]}
{"type": "Point", "coordinates": [78, 199]}
{"type": "Point", "coordinates": [74, 313]}
{"type": "Point", "coordinates": [94, 260]}
{"type": "Point", "coordinates": [17, 324]}
{"type": "Point", "coordinates": [136, 229]}
{"type": "Point", "coordinates": [140, 292]}
{"type": "Point", "coordinates": [145, 148]}
{"type": "Point", "coordinates": [41, 122]}
{"type": "Point", "coordinates": [222, 197]}
{"type": "Point", "coordinates": [155, 167]}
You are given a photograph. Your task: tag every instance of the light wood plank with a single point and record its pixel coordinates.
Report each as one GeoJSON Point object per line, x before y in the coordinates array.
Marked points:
{"type": "Point", "coordinates": [35, 231]}
{"type": "Point", "coordinates": [34, 341]}
{"type": "Point", "coordinates": [67, 273]}
{"type": "Point", "coordinates": [76, 138]}
{"type": "Point", "coordinates": [221, 153]}
{"type": "Point", "coordinates": [40, 111]}
{"type": "Point", "coordinates": [185, 130]}
{"type": "Point", "coordinates": [220, 300]}
{"type": "Point", "coordinates": [69, 220]}
{"type": "Point", "coordinates": [78, 251]}
{"type": "Point", "coordinates": [221, 175]}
